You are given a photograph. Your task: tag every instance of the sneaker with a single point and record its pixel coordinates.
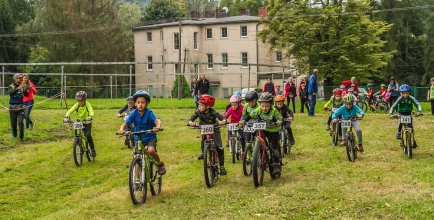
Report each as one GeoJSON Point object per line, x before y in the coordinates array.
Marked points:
{"type": "Point", "coordinates": [223, 171]}
{"type": "Point", "coordinates": [276, 169]}
{"type": "Point", "coordinates": [291, 142]}
{"type": "Point", "coordinates": [343, 143]}
{"type": "Point", "coordinates": [227, 143]}
{"type": "Point", "coordinates": [161, 169]}
{"type": "Point", "coordinates": [93, 153]}
{"type": "Point", "coordinates": [200, 156]}
{"type": "Point", "coordinates": [327, 127]}
{"type": "Point", "coordinates": [398, 135]}
{"type": "Point", "coordinates": [361, 148]}
{"type": "Point", "coordinates": [32, 126]}
{"type": "Point", "coordinates": [414, 145]}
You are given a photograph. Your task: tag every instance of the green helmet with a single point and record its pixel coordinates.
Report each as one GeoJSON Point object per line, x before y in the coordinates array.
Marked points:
{"type": "Point", "coordinates": [348, 99]}
{"type": "Point", "coordinates": [383, 85]}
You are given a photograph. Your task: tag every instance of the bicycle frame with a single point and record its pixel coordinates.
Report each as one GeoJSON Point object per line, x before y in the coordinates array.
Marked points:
{"type": "Point", "coordinates": [407, 145]}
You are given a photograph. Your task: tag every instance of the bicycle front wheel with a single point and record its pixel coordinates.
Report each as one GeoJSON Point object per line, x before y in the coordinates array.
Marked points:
{"type": "Point", "coordinates": [89, 156]}
{"type": "Point", "coordinates": [351, 154]}
{"type": "Point", "coordinates": [130, 142]}
{"type": "Point", "coordinates": [408, 144]}
{"type": "Point", "coordinates": [137, 181]}
{"type": "Point", "coordinates": [209, 166]}
{"type": "Point", "coordinates": [156, 179]}
{"type": "Point", "coordinates": [77, 151]}
{"type": "Point", "coordinates": [258, 163]}
{"type": "Point", "coordinates": [233, 145]}
{"type": "Point", "coordinates": [247, 160]}
{"type": "Point", "coordinates": [335, 134]}
{"type": "Point", "coordinates": [282, 143]}
{"type": "Point", "coordinates": [382, 107]}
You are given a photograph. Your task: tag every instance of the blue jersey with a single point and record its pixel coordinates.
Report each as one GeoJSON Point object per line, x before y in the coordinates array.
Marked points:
{"type": "Point", "coordinates": [144, 122]}
{"type": "Point", "coordinates": [347, 113]}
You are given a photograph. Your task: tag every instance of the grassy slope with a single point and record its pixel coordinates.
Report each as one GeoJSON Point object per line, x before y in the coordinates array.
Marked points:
{"type": "Point", "coordinates": [38, 178]}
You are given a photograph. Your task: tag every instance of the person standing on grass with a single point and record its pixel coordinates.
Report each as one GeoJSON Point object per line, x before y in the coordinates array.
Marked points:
{"type": "Point", "coordinates": [269, 87]}
{"type": "Point", "coordinates": [430, 95]}
{"type": "Point", "coordinates": [312, 89]}
{"type": "Point", "coordinates": [393, 88]}
{"type": "Point", "coordinates": [203, 85]}
{"type": "Point", "coordinates": [17, 91]}
{"type": "Point", "coordinates": [29, 101]}
{"type": "Point", "coordinates": [290, 93]}
{"type": "Point", "coordinates": [194, 92]}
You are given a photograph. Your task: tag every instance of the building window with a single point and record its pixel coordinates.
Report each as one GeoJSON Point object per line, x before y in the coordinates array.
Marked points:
{"type": "Point", "coordinates": [176, 69]}
{"type": "Point", "coordinates": [278, 56]}
{"type": "Point", "coordinates": [225, 60]}
{"type": "Point", "coordinates": [149, 62]}
{"type": "Point", "coordinates": [161, 36]}
{"type": "Point", "coordinates": [196, 68]}
{"type": "Point", "coordinates": [244, 59]}
{"type": "Point", "coordinates": [243, 31]}
{"type": "Point", "coordinates": [162, 60]}
{"type": "Point", "coordinates": [208, 33]}
{"type": "Point", "coordinates": [176, 41]}
{"type": "Point", "coordinates": [195, 40]}
{"type": "Point", "coordinates": [209, 60]}
{"type": "Point", "coordinates": [224, 32]}
{"type": "Point", "coordinates": [149, 36]}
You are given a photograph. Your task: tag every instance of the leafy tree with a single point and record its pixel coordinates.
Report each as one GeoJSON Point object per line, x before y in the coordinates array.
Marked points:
{"type": "Point", "coordinates": [429, 50]}
{"type": "Point", "coordinates": [335, 37]}
{"type": "Point", "coordinates": [163, 10]}
{"type": "Point", "coordinates": [6, 27]}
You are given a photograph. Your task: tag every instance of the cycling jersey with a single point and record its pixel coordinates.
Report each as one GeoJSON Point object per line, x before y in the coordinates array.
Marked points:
{"type": "Point", "coordinates": [272, 116]}
{"type": "Point", "coordinates": [144, 122]}
{"type": "Point", "coordinates": [82, 112]}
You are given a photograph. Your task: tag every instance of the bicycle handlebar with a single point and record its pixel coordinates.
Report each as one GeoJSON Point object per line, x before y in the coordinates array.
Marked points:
{"type": "Point", "coordinates": [150, 131]}
{"type": "Point", "coordinates": [216, 125]}
{"type": "Point", "coordinates": [396, 116]}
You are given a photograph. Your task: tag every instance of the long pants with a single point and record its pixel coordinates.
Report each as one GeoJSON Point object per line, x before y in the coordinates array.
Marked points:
{"type": "Point", "coordinates": [312, 99]}
{"type": "Point", "coordinates": [17, 117]}
{"type": "Point", "coordinates": [432, 106]}
{"type": "Point", "coordinates": [273, 141]}
{"type": "Point", "coordinates": [304, 103]}
{"type": "Point", "coordinates": [196, 102]}
{"type": "Point", "coordinates": [88, 133]}
{"type": "Point", "coordinates": [392, 100]}
{"type": "Point", "coordinates": [356, 126]}
{"type": "Point", "coordinates": [288, 101]}
{"type": "Point", "coordinates": [29, 106]}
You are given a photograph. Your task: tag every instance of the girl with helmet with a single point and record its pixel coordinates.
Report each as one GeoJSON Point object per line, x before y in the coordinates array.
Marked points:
{"type": "Point", "coordinates": [286, 112]}
{"type": "Point", "coordinates": [347, 112]}
{"type": "Point", "coordinates": [370, 96]}
{"type": "Point", "coordinates": [383, 91]}
{"type": "Point", "coordinates": [208, 115]}
{"type": "Point", "coordinates": [267, 112]}
{"type": "Point", "coordinates": [128, 108]}
{"type": "Point", "coordinates": [84, 112]}
{"type": "Point", "coordinates": [336, 101]}
{"type": "Point", "coordinates": [235, 113]}
{"type": "Point", "coordinates": [404, 106]}
{"type": "Point", "coordinates": [144, 118]}
{"type": "Point", "coordinates": [238, 93]}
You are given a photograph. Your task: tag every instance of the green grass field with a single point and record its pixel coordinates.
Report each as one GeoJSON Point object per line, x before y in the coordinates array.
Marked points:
{"type": "Point", "coordinates": [38, 177]}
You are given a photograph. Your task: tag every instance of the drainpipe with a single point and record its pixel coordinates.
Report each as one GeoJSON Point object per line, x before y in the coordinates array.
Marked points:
{"type": "Point", "coordinates": [257, 54]}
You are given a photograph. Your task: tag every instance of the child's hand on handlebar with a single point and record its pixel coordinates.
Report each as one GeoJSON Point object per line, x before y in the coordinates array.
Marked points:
{"type": "Point", "coordinates": [192, 124]}
{"type": "Point", "coordinates": [156, 129]}
{"type": "Point", "coordinates": [278, 122]}
{"type": "Point", "coordinates": [120, 132]}
{"type": "Point", "coordinates": [222, 122]}
{"type": "Point", "coordinates": [325, 108]}
{"type": "Point", "coordinates": [119, 115]}
{"type": "Point", "coordinates": [335, 121]}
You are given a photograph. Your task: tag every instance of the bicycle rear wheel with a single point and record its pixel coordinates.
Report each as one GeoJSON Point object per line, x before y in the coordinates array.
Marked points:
{"type": "Point", "coordinates": [362, 105]}
{"type": "Point", "coordinates": [351, 154]}
{"type": "Point", "coordinates": [209, 166]}
{"type": "Point", "coordinates": [156, 179]}
{"type": "Point", "coordinates": [408, 144]}
{"type": "Point", "coordinates": [77, 151]}
{"type": "Point", "coordinates": [282, 144]}
{"type": "Point", "coordinates": [335, 134]}
{"type": "Point", "coordinates": [258, 163]}
{"type": "Point", "coordinates": [88, 152]}
{"type": "Point", "coordinates": [382, 107]}
{"type": "Point", "coordinates": [233, 145]}
{"type": "Point", "coordinates": [137, 181]}
{"type": "Point", "coordinates": [247, 160]}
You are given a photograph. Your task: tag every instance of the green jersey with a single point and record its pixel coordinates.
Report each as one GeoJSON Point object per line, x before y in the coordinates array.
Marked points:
{"type": "Point", "coordinates": [431, 92]}
{"type": "Point", "coordinates": [273, 115]}
{"type": "Point", "coordinates": [247, 109]}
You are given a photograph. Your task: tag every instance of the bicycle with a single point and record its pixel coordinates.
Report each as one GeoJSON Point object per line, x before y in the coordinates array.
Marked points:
{"type": "Point", "coordinates": [143, 170]}
{"type": "Point", "coordinates": [407, 134]}
{"type": "Point", "coordinates": [285, 146]}
{"type": "Point", "coordinates": [234, 142]}
{"type": "Point", "coordinates": [129, 140]}
{"type": "Point", "coordinates": [362, 103]}
{"type": "Point", "coordinates": [335, 130]}
{"type": "Point", "coordinates": [381, 105]}
{"type": "Point", "coordinates": [350, 145]}
{"type": "Point", "coordinates": [210, 155]}
{"type": "Point", "coordinates": [250, 134]}
{"type": "Point", "coordinates": [80, 145]}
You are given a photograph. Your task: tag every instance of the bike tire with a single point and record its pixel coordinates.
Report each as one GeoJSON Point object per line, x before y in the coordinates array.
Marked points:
{"type": "Point", "coordinates": [362, 105]}
{"type": "Point", "coordinates": [408, 144]}
{"type": "Point", "coordinates": [350, 149]}
{"type": "Point", "coordinates": [382, 107]}
{"type": "Point", "coordinates": [233, 146]}
{"type": "Point", "coordinates": [130, 142]}
{"type": "Point", "coordinates": [247, 160]}
{"type": "Point", "coordinates": [88, 153]}
{"type": "Point", "coordinates": [239, 149]}
{"type": "Point", "coordinates": [282, 144]}
{"type": "Point", "coordinates": [77, 152]}
{"type": "Point", "coordinates": [156, 180]}
{"type": "Point", "coordinates": [137, 187]}
{"type": "Point", "coordinates": [209, 166]}
{"type": "Point", "coordinates": [258, 164]}
{"type": "Point", "coordinates": [335, 134]}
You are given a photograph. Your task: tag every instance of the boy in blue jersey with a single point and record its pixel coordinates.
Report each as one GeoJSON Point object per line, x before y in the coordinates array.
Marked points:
{"type": "Point", "coordinates": [144, 119]}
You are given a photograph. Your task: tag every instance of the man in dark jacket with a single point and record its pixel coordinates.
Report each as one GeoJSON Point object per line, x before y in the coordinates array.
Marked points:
{"type": "Point", "coordinates": [269, 87]}
{"type": "Point", "coordinates": [202, 85]}
{"type": "Point", "coordinates": [312, 89]}
{"type": "Point", "coordinates": [16, 110]}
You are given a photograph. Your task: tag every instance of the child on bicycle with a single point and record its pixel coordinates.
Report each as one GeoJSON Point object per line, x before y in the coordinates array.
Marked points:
{"type": "Point", "coordinates": [350, 111]}
{"type": "Point", "coordinates": [84, 112]}
{"type": "Point", "coordinates": [336, 101]}
{"type": "Point", "coordinates": [236, 112]}
{"type": "Point", "coordinates": [252, 103]}
{"type": "Point", "coordinates": [238, 93]}
{"type": "Point", "coordinates": [208, 115]}
{"type": "Point", "coordinates": [286, 113]}
{"type": "Point", "coordinates": [404, 106]}
{"type": "Point", "coordinates": [143, 118]}
{"type": "Point", "coordinates": [268, 113]}
{"type": "Point", "coordinates": [371, 97]}
{"type": "Point", "coordinates": [128, 108]}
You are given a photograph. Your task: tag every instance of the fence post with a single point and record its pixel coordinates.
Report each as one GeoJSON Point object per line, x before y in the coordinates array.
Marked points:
{"type": "Point", "coordinates": [3, 83]}
{"type": "Point", "coordinates": [415, 91]}
{"type": "Point", "coordinates": [111, 88]}
{"type": "Point", "coordinates": [131, 77]}
{"type": "Point", "coordinates": [61, 85]}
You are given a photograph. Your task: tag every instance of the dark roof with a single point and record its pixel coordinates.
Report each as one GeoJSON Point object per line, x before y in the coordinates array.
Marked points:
{"type": "Point", "coordinates": [204, 21]}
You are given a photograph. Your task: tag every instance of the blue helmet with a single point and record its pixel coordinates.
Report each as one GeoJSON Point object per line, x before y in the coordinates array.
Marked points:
{"type": "Point", "coordinates": [238, 93]}
{"type": "Point", "coordinates": [369, 85]}
{"type": "Point", "coordinates": [143, 94]}
{"type": "Point", "coordinates": [404, 88]}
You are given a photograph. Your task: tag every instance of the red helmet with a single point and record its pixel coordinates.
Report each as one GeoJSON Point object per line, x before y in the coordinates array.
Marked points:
{"type": "Point", "coordinates": [207, 100]}
{"type": "Point", "coordinates": [337, 92]}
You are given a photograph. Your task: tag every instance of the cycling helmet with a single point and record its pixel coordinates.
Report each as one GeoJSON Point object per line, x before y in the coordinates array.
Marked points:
{"type": "Point", "coordinates": [432, 79]}
{"type": "Point", "coordinates": [342, 87]}
{"type": "Point", "coordinates": [130, 99]}
{"type": "Point", "coordinates": [238, 93]}
{"type": "Point", "coordinates": [141, 93]}
{"type": "Point", "coordinates": [337, 92]}
{"type": "Point", "coordinates": [350, 90]}
{"type": "Point", "coordinates": [206, 100]}
{"type": "Point", "coordinates": [369, 85]}
{"type": "Point", "coordinates": [81, 95]}
{"type": "Point", "coordinates": [383, 85]}
{"type": "Point", "coordinates": [251, 95]}
{"type": "Point", "coordinates": [235, 98]}
{"type": "Point", "coordinates": [266, 97]}
{"type": "Point", "coordinates": [279, 98]}
{"type": "Point", "coordinates": [404, 88]}
{"type": "Point", "coordinates": [348, 99]}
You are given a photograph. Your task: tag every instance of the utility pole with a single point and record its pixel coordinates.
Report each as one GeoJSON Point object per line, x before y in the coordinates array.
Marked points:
{"type": "Point", "coordinates": [180, 83]}
{"type": "Point", "coordinates": [183, 70]}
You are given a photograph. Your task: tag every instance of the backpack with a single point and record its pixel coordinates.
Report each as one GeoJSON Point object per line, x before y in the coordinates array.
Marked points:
{"type": "Point", "coordinates": [387, 96]}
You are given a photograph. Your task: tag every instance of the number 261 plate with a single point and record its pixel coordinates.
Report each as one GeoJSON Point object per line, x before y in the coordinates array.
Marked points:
{"type": "Point", "coordinates": [259, 126]}
{"type": "Point", "coordinates": [207, 129]}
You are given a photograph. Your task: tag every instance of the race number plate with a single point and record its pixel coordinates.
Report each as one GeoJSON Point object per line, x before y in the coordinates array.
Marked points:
{"type": "Point", "coordinates": [249, 129]}
{"type": "Point", "coordinates": [260, 126]}
{"type": "Point", "coordinates": [77, 125]}
{"type": "Point", "coordinates": [233, 127]}
{"type": "Point", "coordinates": [334, 109]}
{"type": "Point", "coordinates": [346, 123]}
{"type": "Point", "coordinates": [207, 129]}
{"type": "Point", "coordinates": [405, 119]}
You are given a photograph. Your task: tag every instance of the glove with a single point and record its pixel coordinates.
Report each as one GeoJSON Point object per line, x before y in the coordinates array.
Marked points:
{"type": "Point", "coordinates": [325, 108]}
{"type": "Point", "coordinates": [278, 122]}
{"type": "Point", "coordinates": [119, 115]}
{"type": "Point", "coordinates": [241, 123]}
{"type": "Point", "coordinates": [65, 120]}
{"type": "Point", "coordinates": [89, 118]}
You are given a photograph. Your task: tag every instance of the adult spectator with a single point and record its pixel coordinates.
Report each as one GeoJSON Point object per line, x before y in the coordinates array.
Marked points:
{"type": "Point", "coordinates": [290, 93]}
{"type": "Point", "coordinates": [430, 95]}
{"type": "Point", "coordinates": [303, 81]}
{"type": "Point", "coordinates": [393, 88]}
{"type": "Point", "coordinates": [29, 101]}
{"type": "Point", "coordinates": [279, 91]}
{"type": "Point", "coordinates": [17, 91]}
{"type": "Point", "coordinates": [203, 85]}
{"type": "Point", "coordinates": [312, 89]}
{"type": "Point", "coordinates": [269, 87]}
{"type": "Point", "coordinates": [194, 92]}
{"type": "Point", "coordinates": [348, 83]}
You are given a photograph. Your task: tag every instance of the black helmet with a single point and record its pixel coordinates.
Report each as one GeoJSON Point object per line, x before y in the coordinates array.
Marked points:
{"type": "Point", "coordinates": [251, 95]}
{"type": "Point", "coordinates": [80, 95]}
{"type": "Point", "coordinates": [266, 97]}
{"type": "Point", "coordinates": [143, 94]}
{"type": "Point", "coordinates": [130, 99]}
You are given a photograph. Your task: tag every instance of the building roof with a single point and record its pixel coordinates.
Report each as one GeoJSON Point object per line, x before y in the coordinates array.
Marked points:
{"type": "Point", "coordinates": [203, 21]}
